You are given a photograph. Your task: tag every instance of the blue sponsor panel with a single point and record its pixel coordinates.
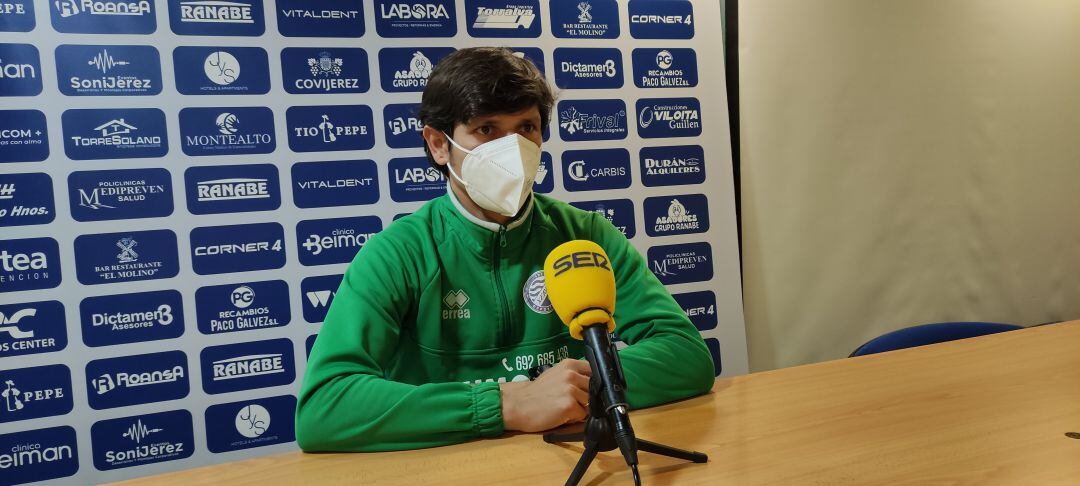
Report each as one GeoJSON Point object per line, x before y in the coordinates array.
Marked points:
{"type": "Point", "coordinates": [227, 131]}
{"type": "Point", "coordinates": [330, 128]}
{"type": "Point", "coordinates": [31, 328]}
{"type": "Point", "coordinates": [102, 195]}
{"type": "Point", "coordinates": [403, 128]}
{"type": "Point", "coordinates": [414, 179]}
{"type": "Point", "coordinates": [142, 439]}
{"type": "Point", "coordinates": [668, 117]}
{"type": "Point", "coordinates": [590, 170]}
{"type": "Point", "coordinates": [585, 19]}
{"type": "Point", "coordinates": [327, 241]}
{"type": "Point", "coordinates": [246, 366]}
{"type": "Point", "coordinates": [415, 18]}
{"type": "Point", "coordinates": [217, 17]}
{"type": "Point", "coordinates": [26, 199]}
{"type": "Point", "coordinates": [28, 393]}
{"type": "Point", "coordinates": [668, 19]}
{"type": "Point", "coordinates": [103, 16]}
{"type": "Point", "coordinates": [126, 257]}
{"type": "Point", "coordinates": [533, 54]}
{"type": "Point", "coordinates": [620, 212]}
{"type": "Point", "coordinates": [237, 248]}
{"type": "Point", "coordinates": [503, 18]}
{"type": "Point", "coordinates": [114, 133]}
{"type": "Point", "coordinates": [108, 70]}
{"type": "Point", "coordinates": [700, 307]}
{"type": "Point", "coordinates": [17, 16]}
{"type": "Point", "coordinates": [324, 70]}
{"type": "Point", "coordinates": [675, 264]}
{"type": "Point", "coordinates": [232, 188]}
{"type": "Point", "coordinates": [676, 215]}
{"type": "Point", "coordinates": [671, 166]}
{"type": "Point", "coordinates": [320, 18]}
{"type": "Point", "coordinates": [108, 320]}
{"type": "Point", "coordinates": [221, 70]}
{"type": "Point", "coordinates": [587, 68]}
{"type": "Point", "coordinates": [714, 349]}
{"type": "Point", "coordinates": [317, 293]}
{"type": "Point", "coordinates": [250, 423]}
{"type": "Point", "coordinates": [39, 455]}
{"type": "Point", "coordinates": [665, 68]}
{"type": "Point", "coordinates": [406, 69]}
{"type": "Point", "coordinates": [545, 175]}
{"type": "Point", "coordinates": [582, 120]}
{"type": "Point", "coordinates": [138, 379]}
{"type": "Point", "coordinates": [29, 264]}
{"type": "Point", "coordinates": [310, 343]}
{"type": "Point", "coordinates": [335, 183]}
{"type": "Point", "coordinates": [24, 136]}
{"type": "Point", "coordinates": [20, 70]}
{"type": "Point", "coordinates": [242, 306]}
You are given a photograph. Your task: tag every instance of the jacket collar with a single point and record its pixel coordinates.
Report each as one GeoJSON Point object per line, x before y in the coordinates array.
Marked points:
{"type": "Point", "coordinates": [483, 236]}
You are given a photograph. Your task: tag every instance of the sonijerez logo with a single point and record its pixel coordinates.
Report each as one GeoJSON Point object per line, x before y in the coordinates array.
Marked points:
{"type": "Point", "coordinates": [217, 17]}
{"type": "Point", "coordinates": [117, 133]}
{"type": "Point", "coordinates": [503, 18]}
{"type": "Point", "coordinates": [250, 423]}
{"type": "Point", "coordinates": [588, 170]}
{"type": "Point", "coordinates": [581, 120]}
{"type": "Point", "coordinates": [237, 248]}
{"type": "Point", "coordinates": [39, 455]}
{"type": "Point", "coordinates": [227, 131]}
{"type": "Point", "coordinates": [31, 328]}
{"type": "Point", "coordinates": [330, 128]}
{"type": "Point", "coordinates": [403, 128]}
{"type": "Point", "coordinates": [675, 165]}
{"type": "Point", "coordinates": [29, 264]}
{"type": "Point", "coordinates": [335, 183]}
{"type": "Point", "coordinates": [242, 306]}
{"type": "Point", "coordinates": [126, 257]}
{"type": "Point", "coordinates": [232, 188]}
{"type": "Point", "coordinates": [326, 241]}
{"type": "Point", "coordinates": [17, 16]}
{"type": "Point", "coordinates": [675, 264]}
{"type": "Point", "coordinates": [20, 70]}
{"type": "Point", "coordinates": [324, 70]}
{"type": "Point", "coordinates": [620, 212]}
{"type": "Point", "coordinates": [108, 70]}
{"type": "Point", "coordinates": [24, 136]}
{"type": "Point", "coordinates": [102, 195]}
{"type": "Point", "coordinates": [316, 294]}
{"type": "Point", "coordinates": [586, 68]}
{"type": "Point", "coordinates": [545, 178]}
{"type": "Point", "coordinates": [245, 366]}
{"type": "Point", "coordinates": [221, 70]}
{"type": "Point", "coordinates": [131, 318]}
{"type": "Point", "coordinates": [133, 380]}
{"type": "Point", "coordinates": [671, 19]}
{"type": "Point", "coordinates": [320, 18]}
{"type": "Point", "coordinates": [26, 199]}
{"type": "Point", "coordinates": [414, 179]}
{"type": "Point", "coordinates": [585, 19]}
{"type": "Point", "coordinates": [142, 439]}
{"type": "Point", "coordinates": [28, 393]}
{"type": "Point", "coordinates": [103, 16]}
{"type": "Point", "coordinates": [676, 215]}
{"type": "Point", "coordinates": [406, 69]}
{"type": "Point", "coordinates": [700, 307]}
{"type": "Point", "coordinates": [665, 68]}
{"type": "Point", "coordinates": [669, 117]}
{"type": "Point", "coordinates": [415, 18]}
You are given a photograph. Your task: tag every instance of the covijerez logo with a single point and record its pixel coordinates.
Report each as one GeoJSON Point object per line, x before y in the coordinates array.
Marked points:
{"type": "Point", "coordinates": [29, 264]}
{"type": "Point", "coordinates": [406, 69]}
{"type": "Point", "coordinates": [131, 318]}
{"type": "Point", "coordinates": [232, 188]}
{"type": "Point", "coordinates": [108, 70]}
{"type": "Point", "coordinates": [217, 17]}
{"type": "Point", "coordinates": [142, 439]}
{"type": "Point", "coordinates": [676, 215]}
{"type": "Point", "coordinates": [667, 166]}
{"type": "Point", "coordinates": [126, 257]}
{"type": "Point", "coordinates": [32, 327]}
{"type": "Point", "coordinates": [322, 70]}
{"type": "Point", "coordinates": [669, 117]}
{"type": "Point", "coordinates": [320, 18]}
{"type": "Point", "coordinates": [335, 183]}
{"type": "Point", "coordinates": [28, 393]}
{"type": "Point", "coordinates": [581, 120]}
{"type": "Point", "coordinates": [119, 133]}
{"type": "Point", "coordinates": [17, 16]}
{"type": "Point", "coordinates": [585, 19]}
{"type": "Point", "coordinates": [326, 241]}
{"type": "Point", "coordinates": [503, 18]}
{"type": "Point", "coordinates": [415, 18]}
{"type": "Point", "coordinates": [102, 195]}
{"type": "Point", "coordinates": [242, 306]}
{"type": "Point", "coordinates": [38, 455]}
{"type": "Point", "coordinates": [227, 131]}
{"type": "Point", "coordinates": [26, 199]}
{"type": "Point", "coordinates": [250, 423]}
{"type": "Point", "coordinates": [665, 68]}
{"type": "Point", "coordinates": [20, 70]}
{"type": "Point", "coordinates": [221, 70]}
{"type": "Point", "coordinates": [237, 248]}
{"type": "Point", "coordinates": [330, 128]}
{"type": "Point", "coordinates": [675, 264]}
{"type": "Point", "coordinates": [620, 212]}
{"type": "Point", "coordinates": [24, 136]}
{"type": "Point", "coordinates": [580, 68]}
{"type": "Point", "coordinates": [103, 16]}
{"type": "Point", "coordinates": [133, 380]}
{"type": "Point", "coordinates": [244, 366]}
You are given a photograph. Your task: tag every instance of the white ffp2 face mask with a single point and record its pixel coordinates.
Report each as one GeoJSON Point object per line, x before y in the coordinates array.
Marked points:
{"type": "Point", "coordinates": [498, 175]}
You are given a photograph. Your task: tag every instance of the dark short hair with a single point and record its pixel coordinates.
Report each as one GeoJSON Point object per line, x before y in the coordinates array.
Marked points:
{"type": "Point", "coordinates": [480, 81]}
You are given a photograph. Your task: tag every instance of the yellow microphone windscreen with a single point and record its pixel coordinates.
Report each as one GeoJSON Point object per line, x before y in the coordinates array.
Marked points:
{"type": "Point", "coordinates": [580, 285]}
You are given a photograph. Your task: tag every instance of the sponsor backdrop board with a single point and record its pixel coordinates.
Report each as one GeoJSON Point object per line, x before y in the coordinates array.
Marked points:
{"type": "Point", "coordinates": [182, 184]}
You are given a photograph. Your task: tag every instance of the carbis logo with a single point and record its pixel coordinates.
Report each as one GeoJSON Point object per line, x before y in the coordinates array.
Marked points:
{"type": "Point", "coordinates": [323, 70]}
{"type": "Point", "coordinates": [675, 264]}
{"type": "Point", "coordinates": [669, 166]}
{"type": "Point", "coordinates": [131, 318]}
{"type": "Point", "coordinates": [620, 212]}
{"type": "Point", "coordinates": [39, 455]}
{"type": "Point", "coordinates": [126, 257]}
{"type": "Point", "coordinates": [118, 133]}
{"type": "Point", "coordinates": [587, 170]}
{"type": "Point", "coordinates": [24, 136]}
{"type": "Point", "coordinates": [101, 195]}
{"type": "Point", "coordinates": [669, 117]}
{"type": "Point", "coordinates": [328, 128]}
{"type": "Point", "coordinates": [217, 17]}
{"type": "Point", "coordinates": [545, 177]}
{"type": "Point", "coordinates": [317, 293]}
{"type": "Point", "coordinates": [676, 215]}
{"type": "Point", "coordinates": [414, 179]}
{"type": "Point", "coordinates": [20, 70]}
{"type": "Point", "coordinates": [503, 18]}
{"type": "Point", "coordinates": [29, 264]}
{"type": "Point", "coordinates": [670, 19]}
{"type": "Point", "coordinates": [585, 19]}
{"type": "Point", "coordinates": [232, 188]}
{"type": "Point", "coordinates": [103, 16]}
{"type": "Point", "coordinates": [244, 366]}
{"type": "Point", "coordinates": [415, 18]}
{"type": "Point", "coordinates": [320, 18]}
{"type": "Point", "coordinates": [242, 306]}
{"type": "Point", "coordinates": [665, 68]}
{"type": "Point", "coordinates": [142, 439]}
{"type": "Point", "coordinates": [335, 183]}
{"type": "Point", "coordinates": [250, 423]}
{"type": "Point", "coordinates": [227, 131]}
{"type": "Point", "coordinates": [27, 393]}
{"type": "Point", "coordinates": [108, 70]}
{"type": "Point", "coordinates": [221, 70]}
{"type": "Point", "coordinates": [581, 120]}
{"type": "Point", "coordinates": [403, 128]}
{"type": "Point", "coordinates": [237, 248]}
{"type": "Point", "coordinates": [32, 327]}
{"type": "Point", "coordinates": [326, 241]}
{"type": "Point", "coordinates": [700, 307]}
{"type": "Point", "coordinates": [404, 69]}
{"type": "Point", "coordinates": [26, 199]}
{"type": "Point", "coordinates": [132, 380]}
{"type": "Point", "coordinates": [17, 16]}
{"type": "Point", "coordinates": [581, 68]}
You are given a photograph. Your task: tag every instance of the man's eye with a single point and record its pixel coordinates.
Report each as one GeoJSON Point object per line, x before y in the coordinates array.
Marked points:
{"type": "Point", "coordinates": [528, 128]}
{"type": "Point", "coordinates": [485, 130]}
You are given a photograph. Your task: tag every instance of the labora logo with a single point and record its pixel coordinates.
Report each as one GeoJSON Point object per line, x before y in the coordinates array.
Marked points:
{"type": "Point", "coordinates": [414, 179]}
{"type": "Point", "coordinates": [221, 70]}
{"type": "Point", "coordinates": [217, 17]}
{"type": "Point", "coordinates": [251, 423]}
{"type": "Point", "coordinates": [666, 166]}
{"type": "Point", "coordinates": [28, 393]}
{"type": "Point", "coordinates": [232, 188]}
{"type": "Point", "coordinates": [33, 327]}
{"type": "Point", "coordinates": [326, 241]}
{"type": "Point", "coordinates": [242, 307]}
{"type": "Point", "coordinates": [20, 69]}
{"type": "Point", "coordinates": [497, 18]}
{"type": "Point", "coordinates": [412, 18]}
{"type": "Point", "coordinates": [126, 257]}
{"type": "Point", "coordinates": [320, 70]}
{"type": "Point", "coordinates": [672, 19]}
{"type": "Point", "coordinates": [121, 133]}
{"type": "Point", "coordinates": [26, 199]}
{"type": "Point", "coordinates": [316, 294]}
{"type": "Point", "coordinates": [17, 16]}
{"type": "Point", "coordinates": [406, 69]}
{"type": "Point", "coordinates": [29, 264]}
{"type": "Point", "coordinates": [588, 68]}
{"type": "Point", "coordinates": [619, 212]}
{"type": "Point", "coordinates": [130, 318]}
{"type": "Point", "coordinates": [102, 195]}
{"type": "Point", "coordinates": [320, 18]}
{"type": "Point", "coordinates": [669, 117]}
{"type": "Point", "coordinates": [665, 68]}
{"type": "Point", "coordinates": [237, 248]}
{"type": "Point", "coordinates": [677, 215]}
{"type": "Point", "coordinates": [245, 366]}
{"type": "Point", "coordinates": [330, 128]}
{"type": "Point", "coordinates": [23, 136]}
{"type": "Point", "coordinates": [581, 120]}
{"type": "Point", "coordinates": [674, 264]}
{"type": "Point", "coordinates": [103, 16]}
{"type": "Point", "coordinates": [138, 379]}
{"type": "Point", "coordinates": [585, 19]}
{"type": "Point", "coordinates": [38, 455]}
{"type": "Point", "coordinates": [143, 439]}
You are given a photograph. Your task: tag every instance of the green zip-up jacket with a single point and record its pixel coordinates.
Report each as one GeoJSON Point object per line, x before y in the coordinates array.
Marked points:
{"type": "Point", "coordinates": [436, 310]}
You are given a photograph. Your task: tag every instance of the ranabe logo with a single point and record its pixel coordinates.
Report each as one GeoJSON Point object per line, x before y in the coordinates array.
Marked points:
{"type": "Point", "coordinates": [20, 70]}
{"type": "Point", "coordinates": [23, 136]}
{"type": "Point", "coordinates": [676, 215]}
{"type": "Point", "coordinates": [672, 19]}
{"type": "Point", "coordinates": [237, 248]}
{"type": "Point", "coordinates": [131, 318]}
{"type": "Point", "coordinates": [217, 17]}
{"type": "Point", "coordinates": [619, 212]}
{"type": "Point", "coordinates": [108, 70]}
{"type": "Point", "coordinates": [403, 128]}
{"type": "Point", "coordinates": [17, 16]}
{"type": "Point", "coordinates": [232, 188]}
{"type": "Point", "coordinates": [250, 423]}
{"type": "Point", "coordinates": [455, 305]}
{"type": "Point", "coordinates": [330, 128]}
{"type": "Point", "coordinates": [585, 19]}
{"type": "Point", "coordinates": [675, 264]}
{"type": "Point", "coordinates": [335, 183]}
{"type": "Point", "coordinates": [33, 327]}
{"type": "Point", "coordinates": [39, 455]}
{"type": "Point", "coordinates": [221, 70]}
{"type": "Point", "coordinates": [700, 307]}
{"type": "Point", "coordinates": [581, 120]}
{"type": "Point", "coordinates": [143, 439]}
{"type": "Point", "coordinates": [580, 68]}
{"type": "Point", "coordinates": [126, 257]}
{"type": "Point", "coordinates": [316, 294]}
{"type": "Point", "coordinates": [327, 241]}
{"type": "Point", "coordinates": [29, 264]}
{"type": "Point", "coordinates": [667, 166]}
{"type": "Point", "coordinates": [227, 131]}
{"type": "Point", "coordinates": [322, 70]}
{"type": "Point", "coordinates": [665, 68]}
{"type": "Point", "coordinates": [415, 18]}
{"type": "Point", "coordinates": [587, 170]}
{"type": "Point", "coordinates": [242, 307]}
{"type": "Point", "coordinates": [320, 18]}
{"type": "Point", "coordinates": [102, 195]}
{"type": "Point", "coordinates": [669, 117]}
{"type": "Point", "coordinates": [503, 18]}
{"type": "Point", "coordinates": [132, 380]}
{"type": "Point", "coordinates": [406, 69]}
{"type": "Point", "coordinates": [245, 366]}
{"type": "Point", "coordinates": [414, 179]}
{"type": "Point", "coordinates": [103, 16]}
{"type": "Point", "coordinates": [28, 393]}
{"type": "Point", "coordinates": [120, 133]}
{"type": "Point", "coordinates": [26, 199]}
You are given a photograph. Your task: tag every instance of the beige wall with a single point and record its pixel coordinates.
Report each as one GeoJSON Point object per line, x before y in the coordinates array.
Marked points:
{"type": "Point", "coordinates": [905, 162]}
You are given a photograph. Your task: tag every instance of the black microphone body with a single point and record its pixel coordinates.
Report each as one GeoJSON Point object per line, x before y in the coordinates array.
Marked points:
{"type": "Point", "coordinates": [607, 371]}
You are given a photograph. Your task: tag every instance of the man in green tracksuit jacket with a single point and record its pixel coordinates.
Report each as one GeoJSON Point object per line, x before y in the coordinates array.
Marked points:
{"type": "Point", "coordinates": [440, 316]}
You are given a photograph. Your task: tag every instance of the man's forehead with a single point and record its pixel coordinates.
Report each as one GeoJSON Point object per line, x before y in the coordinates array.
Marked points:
{"type": "Point", "coordinates": [527, 113]}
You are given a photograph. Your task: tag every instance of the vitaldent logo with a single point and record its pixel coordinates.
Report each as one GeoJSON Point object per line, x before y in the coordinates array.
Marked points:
{"type": "Point", "coordinates": [324, 70]}
{"type": "Point", "coordinates": [335, 183]}
{"type": "Point", "coordinates": [23, 136]}
{"type": "Point", "coordinates": [129, 318]}
{"type": "Point", "coordinates": [217, 17]}
{"type": "Point", "coordinates": [108, 70]}
{"type": "Point", "coordinates": [29, 264]}
{"type": "Point", "coordinates": [494, 18]}
{"type": "Point", "coordinates": [131, 380]}
{"type": "Point", "coordinates": [28, 393]}
{"type": "Point", "coordinates": [581, 120]}
{"type": "Point", "coordinates": [26, 199]}
{"type": "Point", "coordinates": [412, 18]}
{"type": "Point", "coordinates": [326, 241]}
{"type": "Point", "coordinates": [144, 439]}
{"type": "Point", "coordinates": [320, 18]}
{"type": "Point", "coordinates": [245, 366]}
{"type": "Point", "coordinates": [120, 194]}
{"type": "Point", "coordinates": [669, 117]}
{"type": "Point", "coordinates": [33, 327]}
{"type": "Point", "coordinates": [103, 16]}
{"type": "Point", "coordinates": [242, 307]}
{"type": "Point", "coordinates": [38, 455]}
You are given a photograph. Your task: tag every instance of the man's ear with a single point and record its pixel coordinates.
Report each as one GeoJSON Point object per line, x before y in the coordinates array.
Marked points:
{"type": "Point", "coordinates": [437, 145]}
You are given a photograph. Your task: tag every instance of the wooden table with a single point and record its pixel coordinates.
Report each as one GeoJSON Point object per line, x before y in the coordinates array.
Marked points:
{"type": "Point", "coordinates": [989, 410]}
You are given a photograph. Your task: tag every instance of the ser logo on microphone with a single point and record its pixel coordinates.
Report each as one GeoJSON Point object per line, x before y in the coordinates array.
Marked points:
{"type": "Point", "coordinates": [580, 259]}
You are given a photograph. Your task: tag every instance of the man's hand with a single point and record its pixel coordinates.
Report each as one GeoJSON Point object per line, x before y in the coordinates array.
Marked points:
{"type": "Point", "coordinates": [559, 396]}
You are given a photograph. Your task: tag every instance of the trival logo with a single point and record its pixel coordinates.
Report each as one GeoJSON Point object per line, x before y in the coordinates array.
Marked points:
{"type": "Point", "coordinates": [454, 305]}
{"type": "Point", "coordinates": [504, 18]}
{"type": "Point", "coordinates": [252, 421]}
{"type": "Point", "coordinates": [574, 121]}
{"type": "Point", "coordinates": [221, 68]}
{"type": "Point", "coordinates": [677, 219]}
{"type": "Point", "coordinates": [534, 292]}
{"type": "Point", "coordinates": [247, 366]}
